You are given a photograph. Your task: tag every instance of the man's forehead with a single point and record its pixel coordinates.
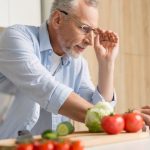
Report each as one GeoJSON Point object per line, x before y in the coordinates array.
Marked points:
{"type": "Point", "coordinates": [87, 14]}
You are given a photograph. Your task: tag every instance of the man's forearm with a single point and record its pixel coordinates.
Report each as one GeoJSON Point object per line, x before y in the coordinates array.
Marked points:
{"type": "Point", "coordinates": [75, 107]}
{"type": "Point", "coordinates": [106, 46]}
{"type": "Point", "coordinates": [106, 80]}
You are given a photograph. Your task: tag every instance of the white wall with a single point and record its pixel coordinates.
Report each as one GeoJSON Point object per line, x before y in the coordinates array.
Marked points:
{"type": "Point", "coordinates": [45, 9]}
{"type": "Point", "coordinates": [20, 12]}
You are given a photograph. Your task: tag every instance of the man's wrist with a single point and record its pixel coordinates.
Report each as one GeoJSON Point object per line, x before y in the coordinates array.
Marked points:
{"type": "Point", "coordinates": [106, 67]}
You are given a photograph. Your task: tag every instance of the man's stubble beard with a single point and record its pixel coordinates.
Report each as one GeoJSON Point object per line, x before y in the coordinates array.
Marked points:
{"type": "Point", "coordinates": [70, 52]}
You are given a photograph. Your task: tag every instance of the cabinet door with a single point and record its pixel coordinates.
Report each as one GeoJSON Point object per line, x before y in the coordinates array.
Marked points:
{"type": "Point", "coordinates": [4, 13]}
{"type": "Point", "coordinates": [25, 12]}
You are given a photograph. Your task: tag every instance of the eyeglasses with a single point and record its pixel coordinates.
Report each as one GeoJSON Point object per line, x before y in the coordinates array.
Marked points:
{"type": "Point", "coordinates": [84, 27]}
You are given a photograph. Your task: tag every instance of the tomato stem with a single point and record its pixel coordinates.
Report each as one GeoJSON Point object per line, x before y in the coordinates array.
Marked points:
{"type": "Point", "coordinates": [112, 114]}
{"type": "Point", "coordinates": [130, 110]}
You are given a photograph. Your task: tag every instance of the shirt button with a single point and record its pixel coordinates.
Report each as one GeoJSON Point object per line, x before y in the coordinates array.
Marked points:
{"type": "Point", "coordinates": [49, 52]}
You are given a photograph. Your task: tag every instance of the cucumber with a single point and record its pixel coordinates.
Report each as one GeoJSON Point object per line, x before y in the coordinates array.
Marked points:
{"type": "Point", "coordinates": [65, 128]}
{"type": "Point", "coordinates": [49, 134]}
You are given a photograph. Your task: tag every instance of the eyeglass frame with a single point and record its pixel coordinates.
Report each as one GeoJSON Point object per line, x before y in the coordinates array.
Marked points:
{"type": "Point", "coordinates": [80, 24]}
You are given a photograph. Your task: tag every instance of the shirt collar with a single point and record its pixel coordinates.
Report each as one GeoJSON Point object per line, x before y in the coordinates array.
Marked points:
{"type": "Point", "coordinates": [44, 38]}
{"type": "Point", "coordinates": [66, 60]}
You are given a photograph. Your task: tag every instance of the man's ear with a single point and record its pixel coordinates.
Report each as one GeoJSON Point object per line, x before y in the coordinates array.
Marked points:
{"type": "Point", "coordinates": [56, 19]}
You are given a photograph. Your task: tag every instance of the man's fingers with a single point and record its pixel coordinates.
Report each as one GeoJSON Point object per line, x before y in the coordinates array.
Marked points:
{"type": "Point", "coordinates": [107, 36]}
{"type": "Point", "coordinates": [99, 47]}
{"type": "Point", "coordinates": [101, 35]}
{"type": "Point", "coordinates": [145, 111]}
{"type": "Point", "coordinates": [146, 107]}
{"type": "Point", "coordinates": [116, 39]}
{"type": "Point", "coordinates": [146, 118]}
{"type": "Point", "coordinates": [96, 41]}
{"type": "Point", "coordinates": [113, 39]}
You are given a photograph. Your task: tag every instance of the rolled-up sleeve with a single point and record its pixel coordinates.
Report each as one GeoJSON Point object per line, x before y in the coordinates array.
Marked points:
{"type": "Point", "coordinates": [88, 91]}
{"type": "Point", "coordinates": [98, 97]}
{"type": "Point", "coordinates": [23, 68]}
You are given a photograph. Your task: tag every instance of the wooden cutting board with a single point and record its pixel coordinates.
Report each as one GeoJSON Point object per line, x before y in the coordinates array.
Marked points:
{"type": "Point", "coordinates": [94, 139]}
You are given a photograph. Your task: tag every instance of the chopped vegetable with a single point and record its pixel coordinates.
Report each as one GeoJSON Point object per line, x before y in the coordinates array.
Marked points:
{"type": "Point", "coordinates": [49, 134]}
{"type": "Point", "coordinates": [95, 115]}
{"type": "Point", "coordinates": [65, 128]}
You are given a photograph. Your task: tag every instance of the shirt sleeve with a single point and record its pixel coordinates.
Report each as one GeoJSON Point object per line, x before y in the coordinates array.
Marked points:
{"type": "Point", "coordinates": [88, 91]}
{"type": "Point", "coordinates": [23, 68]}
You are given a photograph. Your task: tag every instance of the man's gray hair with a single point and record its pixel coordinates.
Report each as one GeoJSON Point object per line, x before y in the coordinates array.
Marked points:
{"type": "Point", "coordinates": [69, 5]}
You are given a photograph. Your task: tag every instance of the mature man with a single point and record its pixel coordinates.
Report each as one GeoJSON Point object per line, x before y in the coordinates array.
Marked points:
{"type": "Point", "coordinates": [44, 65]}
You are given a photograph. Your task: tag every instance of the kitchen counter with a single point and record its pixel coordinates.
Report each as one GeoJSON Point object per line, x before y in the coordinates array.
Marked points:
{"type": "Point", "coordinates": [102, 141]}
{"type": "Point", "coordinates": [142, 144]}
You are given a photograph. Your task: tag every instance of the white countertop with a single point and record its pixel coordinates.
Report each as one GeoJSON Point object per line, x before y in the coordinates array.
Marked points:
{"type": "Point", "coordinates": [142, 144]}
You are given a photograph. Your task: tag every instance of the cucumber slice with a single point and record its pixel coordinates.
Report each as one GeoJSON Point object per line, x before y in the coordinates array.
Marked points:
{"type": "Point", "coordinates": [49, 134]}
{"type": "Point", "coordinates": [65, 128]}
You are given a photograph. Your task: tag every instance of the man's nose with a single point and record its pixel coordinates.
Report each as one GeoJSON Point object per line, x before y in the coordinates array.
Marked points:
{"type": "Point", "coordinates": [89, 39]}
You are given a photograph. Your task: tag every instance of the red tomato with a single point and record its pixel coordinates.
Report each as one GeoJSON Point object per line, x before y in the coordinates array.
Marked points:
{"type": "Point", "coordinates": [113, 124]}
{"type": "Point", "coordinates": [77, 145]}
{"type": "Point", "coordinates": [62, 146]}
{"type": "Point", "coordinates": [133, 122]}
{"type": "Point", "coordinates": [48, 145]}
{"type": "Point", "coordinates": [36, 145]}
{"type": "Point", "coordinates": [25, 147]}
